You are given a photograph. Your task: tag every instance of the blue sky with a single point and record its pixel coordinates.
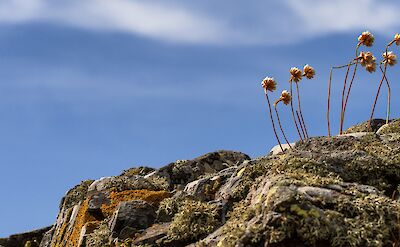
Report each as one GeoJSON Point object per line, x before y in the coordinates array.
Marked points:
{"type": "Point", "coordinates": [89, 88]}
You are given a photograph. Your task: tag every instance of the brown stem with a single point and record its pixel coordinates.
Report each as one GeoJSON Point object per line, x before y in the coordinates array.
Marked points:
{"type": "Point", "coordinates": [347, 97]}
{"type": "Point", "coordinates": [344, 92]}
{"type": "Point", "coordinates": [329, 95]}
{"type": "Point", "coordinates": [388, 105]}
{"type": "Point", "coordinates": [272, 120]}
{"type": "Point", "coordinates": [376, 97]}
{"type": "Point", "coordinates": [329, 103]}
{"type": "Point", "coordinates": [298, 118]}
{"type": "Point", "coordinates": [291, 106]}
{"type": "Point", "coordinates": [301, 113]}
{"type": "Point", "coordinates": [280, 125]}
{"type": "Point", "coordinates": [344, 102]}
{"type": "Point", "coordinates": [387, 83]}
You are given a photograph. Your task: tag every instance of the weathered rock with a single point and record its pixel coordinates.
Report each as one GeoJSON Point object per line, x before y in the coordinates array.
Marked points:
{"type": "Point", "coordinates": [363, 127]}
{"type": "Point", "coordinates": [185, 171]}
{"type": "Point", "coordinates": [205, 188]}
{"type": "Point", "coordinates": [87, 229]}
{"type": "Point", "coordinates": [130, 217]}
{"type": "Point", "coordinates": [141, 171]}
{"type": "Point", "coordinates": [17, 240]}
{"type": "Point", "coordinates": [278, 150]}
{"type": "Point", "coordinates": [46, 240]}
{"type": "Point", "coordinates": [152, 234]}
{"type": "Point", "coordinates": [328, 191]}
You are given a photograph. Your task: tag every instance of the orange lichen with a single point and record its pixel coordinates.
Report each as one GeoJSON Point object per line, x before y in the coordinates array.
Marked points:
{"type": "Point", "coordinates": [152, 197]}
{"type": "Point", "coordinates": [82, 218]}
{"type": "Point", "coordinates": [63, 227]}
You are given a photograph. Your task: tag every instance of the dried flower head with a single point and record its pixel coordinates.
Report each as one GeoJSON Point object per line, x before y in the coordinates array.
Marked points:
{"type": "Point", "coordinates": [389, 58]}
{"type": "Point", "coordinates": [269, 84]}
{"type": "Point", "coordinates": [285, 97]}
{"type": "Point", "coordinates": [371, 67]}
{"type": "Point", "coordinates": [296, 74]}
{"type": "Point", "coordinates": [366, 38]}
{"type": "Point", "coordinates": [309, 71]}
{"type": "Point", "coordinates": [397, 38]}
{"type": "Point", "coordinates": [366, 58]}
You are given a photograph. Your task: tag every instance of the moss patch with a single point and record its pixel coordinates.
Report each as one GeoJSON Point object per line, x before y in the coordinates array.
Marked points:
{"type": "Point", "coordinates": [194, 220]}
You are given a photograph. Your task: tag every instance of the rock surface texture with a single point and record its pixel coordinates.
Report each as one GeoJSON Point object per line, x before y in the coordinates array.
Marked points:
{"type": "Point", "coordinates": [337, 191]}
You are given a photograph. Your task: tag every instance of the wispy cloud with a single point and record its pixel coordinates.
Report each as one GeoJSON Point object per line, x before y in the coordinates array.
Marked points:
{"type": "Point", "coordinates": [320, 17]}
{"type": "Point", "coordinates": [176, 21]}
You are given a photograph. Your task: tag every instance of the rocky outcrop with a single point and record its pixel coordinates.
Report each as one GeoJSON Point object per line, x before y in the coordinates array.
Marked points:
{"type": "Point", "coordinates": [327, 191]}
{"type": "Point", "coordinates": [28, 239]}
{"type": "Point", "coordinates": [129, 208]}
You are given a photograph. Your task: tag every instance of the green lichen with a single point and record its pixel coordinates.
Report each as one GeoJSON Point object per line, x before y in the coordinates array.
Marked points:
{"type": "Point", "coordinates": [194, 220]}
{"type": "Point", "coordinates": [76, 194]}
{"type": "Point", "coordinates": [99, 237]}
{"type": "Point", "coordinates": [141, 171]}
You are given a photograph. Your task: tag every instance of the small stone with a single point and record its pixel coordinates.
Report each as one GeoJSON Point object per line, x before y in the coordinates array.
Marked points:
{"type": "Point", "coordinates": [136, 214]}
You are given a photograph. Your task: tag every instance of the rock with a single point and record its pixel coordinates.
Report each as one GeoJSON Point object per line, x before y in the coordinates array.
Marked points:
{"type": "Point", "coordinates": [204, 189]}
{"type": "Point", "coordinates": [76, 194]}
{"type": "Point", "coordinates": [363, 127]}
{"type": "Point", "coordinates": [141, 171]}
{"type": "Point", "coordinates": [185, 171]}
{"type": "Point", "coordinates": [121, 183]}
{"type": "Point", "coordinates": [87, 229]}
{"type": "Point", "coordinates": [17, 240]}
{"type": "Point", "coordinates": [132, 216]}
{"type": "Point", "coordinates": [46, 240]}
{"type": "Point", "coordinates": [355, 134]}
{"type": "Point", "coordinates": [152, 234]}
{"type": "Point", "coordinates": [391, 127]}
{"type": "Point", "coordinates": [277, 149]}
{"type": "Point", "coordinates": [328, 191]}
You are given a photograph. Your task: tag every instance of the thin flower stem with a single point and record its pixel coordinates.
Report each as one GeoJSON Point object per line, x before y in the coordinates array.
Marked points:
{"type": "Point", "coordinates": [344, 102]}
{"type": "Point", "coordinates": [344, 92]}
{"type": "Point", "coordinates": [388, 105]}
{"type": "Point", "coordinates": [376, 97]}
{"type": "Point", "coordinates": [291, 106]}
{"type": "Point", "coordinates": [379, 88]}
{"type": "Point", "coordinates": [347, 97]}
{"type": "Point", "coordinates": [329, 94]}
{"type": "Point", "coordinates": [280, 125]}
{"type": "Point", "coordinates": [298, 118]}
{"type": "Point", "coordinates": [272, 120]}
{"type": "Point", "coordinates": [387, 83]}
{"type": "Point", "coordinates": [301, 113]}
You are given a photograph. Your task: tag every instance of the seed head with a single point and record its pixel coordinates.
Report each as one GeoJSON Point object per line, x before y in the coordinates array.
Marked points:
{"type": "Point", "coordinates": [371, 67]}
{"type": "Point", "coordinates": [366, 38]}
{"type": "Point", "coordinates": [285, 97]}
{"type": "Point", "coordinates": [296, 74]}
{"type": "Point", "coordinates": [397, 38]}
{"type": "Point", "coordinates": [389, 58]}
{"type": "Point", "coordinates": [309, 71]}
{"type": "Point", "coordinates": [366, 58]}
{"type": "Point", "coordinates": [269, 84]}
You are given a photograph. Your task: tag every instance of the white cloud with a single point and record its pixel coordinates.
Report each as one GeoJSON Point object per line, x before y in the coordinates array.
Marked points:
{"type": "Point", "coordinates": [243, 23]}
{"type": "Point", "coordinates": [318, 17]}
{"type": "Point", "coordinates": [19, 10]}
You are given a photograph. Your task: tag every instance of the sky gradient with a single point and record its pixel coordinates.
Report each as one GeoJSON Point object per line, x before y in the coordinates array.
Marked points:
{"type": "Point", "coordinates": [90, 88]}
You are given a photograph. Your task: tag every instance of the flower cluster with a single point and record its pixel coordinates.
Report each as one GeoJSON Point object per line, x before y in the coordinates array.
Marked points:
{"type": "Point", "coordinates": [368, 61]}
{"type": "Point", "coordinates": [269, 84]}
{"type": "Point", "coordinates": [366, 38]}
{"type": "Point", "coordinates": [397, 38]}
{"type": "Point", "coordinates": [309, 71]}
{"type": "Point", "coordinates": [285, 97]}
{"type": "Point", "coordinates": [389, 58]}
{"type": "Point", "coordinates": [296, 74]}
